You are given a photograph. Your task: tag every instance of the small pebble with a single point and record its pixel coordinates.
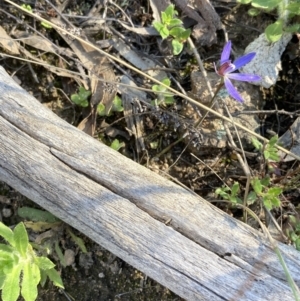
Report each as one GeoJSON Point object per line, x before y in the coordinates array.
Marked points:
{"type": "Point", "coordinates": [6, 212]}
{"type": "Point", "coordinates": [101, 275]}
{"type": "Point", "coordinates": [69, 257]}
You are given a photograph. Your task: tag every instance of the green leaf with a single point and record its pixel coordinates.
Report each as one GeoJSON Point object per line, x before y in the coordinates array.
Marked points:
{"type": "Point", "coordinates": [44, 263]}
{"type": "Point", "coordinates": [166, 81]}
{"type": "Point", "coordinates": [55, 277]}
{"type": "Point", "coordinates": [158, 25]}
{"type": "Point", "coordinates": [274, 31]}
{"type": "Point", "coordinates": [21, 239]}
{"type": "Point", "coordinates": [253, 12]}
{"type": "Point", "coordinates": [175, 22]}
{"type": "Point", "coordinates": [7, 261]}
{"type": "Point", "coordinates": [2, 279]}
{"type": "Point", "coordinates": [116, 145]}
{"type": "Point", "coordinates": [180, 34]}
{"type": "Point", "coordinates": [273, 140]}
{"type": "Point", "coordinates": [31, 278]}
{"type": "Point", "coordinates": [158, 88]}
{"type": "Point", "coordinates": [265, 4]}
{"type": "Point", "coordinates": [292, 219]}
{"type": "Point", "coordinates": [267, 203]}
{"type": "Point", "coordinates": [176, 32]}
{"type": "Point", "coordinates": [35, 215]}
{"type": "Point", "coordinates": [60, 254]}
{"type": "Point", "coordinates": [117, 104]}
{"type": "Point", "coordinates": [43, 278]}
{"type": "Point", "coordinates": [185, 35]}
{"type": "Point", "coordinates": [251, 198]}
{"type": "Point", "coordinates": [170, 12]}
{"type": "Point", "coordinates": [272, 156]}
{"type": "Point", "coordinates": [257, 144]}
{"type": "Point", "coordinates": [257, 186]}
{"type": "Point", "coordinates": [222, 191]}
{"type": "Point", "coordinates": [41, 226]}
{"type": "Point", "coordinates": [169, 100]}
{"type": "Point", "coordinates": [274, 191]}
{"type": "Point", "coordinates": [6, 248]}
{"type": "Point", "coordinates": [266, 154]}
{"type": "Point", "coordinates": [46, 25]}
{"type": "Point", "coordinates": [79, 101]}
{"type": "Point", "coordinates": [177, 47]}
{"type": "Point", "coordinates": [162, 29]}
{"type": "Point", "coordinates": [293, 236]}
{"type": "Point", "coordinates": [81, 97]}
{"type": "Point", "coordinates": [235, 189]}
{"type": "Point", "coordinates": [265, 181]}
{"type": "Point", "coordinates": [84, 93]}
{"type": "Point", "coordinates": [101, 109]}
{"type": "Point", "coordinates": [165, 18]}
{"type": "Point", "coordinates": [11, 285]}
{"type": "Point", "coordinates": [275, 202]}
{"type": "Point", "coordinates": [7, 234]}
{"type": "Point", "coordinates": [27, 7]}
{"type": "Point", "coordinates": [78, 240]}
{"type": "Point", "coordinates": [294, 8]}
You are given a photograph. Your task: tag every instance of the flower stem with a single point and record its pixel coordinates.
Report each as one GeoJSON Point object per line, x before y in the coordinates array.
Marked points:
{"type": "Point", "coordinates": [211, 104]}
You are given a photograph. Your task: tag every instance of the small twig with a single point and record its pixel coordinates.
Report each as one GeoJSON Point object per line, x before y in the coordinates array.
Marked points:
{"type": "Point", "coordinates": [207, 166]}
{"type": "Point", "coordinates": [120, 8]}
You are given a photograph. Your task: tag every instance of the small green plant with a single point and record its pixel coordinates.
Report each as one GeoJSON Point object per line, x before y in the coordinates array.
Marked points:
{"type": "Point", "coordinates": [40, 221]}
{"type": "Point", "coordinates": [116, 107]}
{"type": "Point", "coordinates": [230, 194]}
{"type": "Point", "coordinates": [172, 27]}
{"type": "Point", "coordinates": [116, 144]}
{"type": "Point", "coordinates": [269, 151]}
{"type": "Point", "coordinates": [263, 189]}
{"type": "Point", "coordinates": [268, 195]}
{"type": "Point", "coordinates": [81, 98]}
{"type": "Point", "coordinates": [286, 9]}
{"type": "Point", "coordinates": [21, 270]}
{"type": "Point", "coordinates": [163, 96]}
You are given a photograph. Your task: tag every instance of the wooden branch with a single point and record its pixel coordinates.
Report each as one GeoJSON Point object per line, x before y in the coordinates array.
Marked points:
{"type": "Point", "coordinates": [202, 254]}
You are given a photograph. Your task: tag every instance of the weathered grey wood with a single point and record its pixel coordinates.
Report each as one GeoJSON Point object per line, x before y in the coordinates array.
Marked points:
{"type": "Point", "coordinates": [122, 205]}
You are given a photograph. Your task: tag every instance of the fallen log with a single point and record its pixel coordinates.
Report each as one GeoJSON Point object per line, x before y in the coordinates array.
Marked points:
{"type": "Point", "coordinates": [201, 254]}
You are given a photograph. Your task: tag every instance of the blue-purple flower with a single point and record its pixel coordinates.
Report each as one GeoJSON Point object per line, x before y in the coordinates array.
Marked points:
{"type": "Point", "coordinates": [226, 68]}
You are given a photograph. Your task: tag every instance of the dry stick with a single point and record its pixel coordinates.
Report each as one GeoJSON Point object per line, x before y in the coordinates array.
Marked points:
{"type": "Point", "coordinates": [154, 80]}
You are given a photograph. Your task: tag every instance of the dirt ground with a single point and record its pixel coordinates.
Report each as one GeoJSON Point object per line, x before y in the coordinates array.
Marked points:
{"type": "Point", "coordinates": [98, 275]}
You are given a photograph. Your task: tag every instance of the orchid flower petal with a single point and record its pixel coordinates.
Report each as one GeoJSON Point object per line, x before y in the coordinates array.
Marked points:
{"type": "Point", "coordinates": [229, 69]}
{"type": "Point", "coordinates": [226, 52]}
{"type": "Point", "coordinates": [243, 60]}
{"type": "Point", "coordinates": [243, 77]}
{"type": "Point", "coordinates": [232, 90]}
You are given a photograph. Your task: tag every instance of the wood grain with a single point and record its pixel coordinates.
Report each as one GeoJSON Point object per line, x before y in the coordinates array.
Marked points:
{"type": "Point", "coordinates": [202, 254]}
